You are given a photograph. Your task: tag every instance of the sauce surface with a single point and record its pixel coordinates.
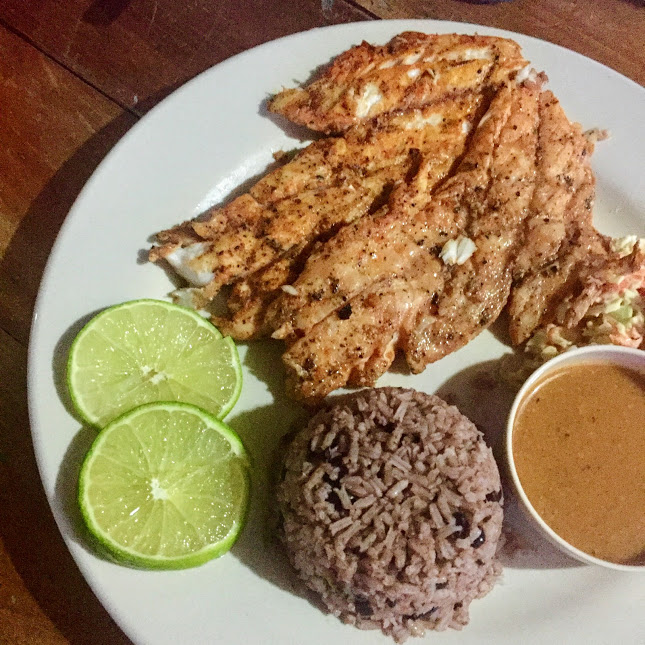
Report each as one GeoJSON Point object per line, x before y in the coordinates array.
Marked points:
{"type": "Point", "coordinates": [579, 451]}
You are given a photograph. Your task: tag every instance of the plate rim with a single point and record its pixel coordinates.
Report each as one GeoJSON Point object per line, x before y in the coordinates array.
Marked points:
{"type": "Point", "coordinates": [76, 210]}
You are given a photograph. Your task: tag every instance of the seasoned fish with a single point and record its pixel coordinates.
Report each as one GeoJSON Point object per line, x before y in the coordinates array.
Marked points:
{"type": "Point", "coordinates": [452, 187]}
{"type": "Point", "coordinates": [425, 141]}
{"type": "Point", "coordinates": [410, 71]}
{"type": "Point", "coordinates": [331, 183]}
{"type": "Point", "coordinates": [558, 232]}
{"type": "Point", "coordinates": [396, 307]}
{"type": "Point", "coordinates": [321, 188]}
{"type": "Point", "coordinates": [250, 298]}
{"type": "Point", "coordinates": [384, 244]}
{"type": "Point", "coordinates": [496, 207]}
{"type": "Point", "coordinates": [358, 343]}
{"type": "Point", "coordinates": [564, 187]}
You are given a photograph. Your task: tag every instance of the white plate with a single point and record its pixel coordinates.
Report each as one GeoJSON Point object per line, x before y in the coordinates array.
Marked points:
{"type": "Point", "coordinates": [190, 152]}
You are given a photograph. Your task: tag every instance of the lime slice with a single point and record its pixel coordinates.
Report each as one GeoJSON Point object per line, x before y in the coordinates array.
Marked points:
{"type": "Point", "coordinates": [165, 486]}
{"type": "Point", "coordinates": [149, 350]}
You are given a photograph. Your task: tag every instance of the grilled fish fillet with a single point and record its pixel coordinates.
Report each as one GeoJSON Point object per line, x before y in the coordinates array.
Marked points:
{"type": "Point", "coordinates": [559, 234]}
{"type": "Point", "coordinates": [382, 245]}
{"type": "Point", "coordinates": [410, 71]}
{"type": "Point", "coordinates": [250, 298]}
{"type": "Point", "coordinates": [331, 183]}
{"type": "Point", "coordinates": [453, 186]}
{"type": "Point", "coordinates": [325, 185]}
{"type": "Point", "coordinates": [357, 344]}
{"type": "Point", "coordinates": [477, 289]}
{"type": "Point", "coordinates": [439, 134]}
{"type": "Point", "coordinates": [564, 189]}
{"type": "Point", "coordinates": [487, 198]}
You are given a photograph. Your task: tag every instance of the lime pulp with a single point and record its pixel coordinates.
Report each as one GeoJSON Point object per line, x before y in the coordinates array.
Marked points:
{"type": "Point", "coordinates": [165, 486]}
{"type": "Point", "coordinates": [149, 350]}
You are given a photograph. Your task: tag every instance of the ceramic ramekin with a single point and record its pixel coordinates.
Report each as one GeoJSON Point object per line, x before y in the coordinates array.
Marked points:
{"type": "Point", "coordinates": [623, 356]}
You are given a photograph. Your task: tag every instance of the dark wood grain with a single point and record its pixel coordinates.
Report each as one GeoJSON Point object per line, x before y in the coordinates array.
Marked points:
{"type": "Point", "coordinates": [138, 52]}
{"type": "Point", "coordinates": [54, 130]}
{"type": "Point", "coordinates": [610, 31]}
{"type": "Point", "coordinates": [57, 121]}
{"type": "Point", "coordinates": [43, 597]}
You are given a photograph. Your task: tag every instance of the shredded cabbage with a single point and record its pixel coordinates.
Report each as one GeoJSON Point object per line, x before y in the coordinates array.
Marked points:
{"type": "Point", "coordinates": [617, 317]}
{"type": "Point", "coordinates": [623, 246]}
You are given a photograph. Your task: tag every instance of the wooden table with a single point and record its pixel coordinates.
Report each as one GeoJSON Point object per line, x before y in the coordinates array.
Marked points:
{"type": "Point", "coordinates": [74, 77]}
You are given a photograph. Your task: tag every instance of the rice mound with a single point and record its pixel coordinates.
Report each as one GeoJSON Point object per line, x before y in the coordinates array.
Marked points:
{"type": "Point", "coordinates": [391, 509]}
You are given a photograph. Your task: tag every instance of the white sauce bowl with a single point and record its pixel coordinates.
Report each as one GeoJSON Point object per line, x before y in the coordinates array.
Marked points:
{"type": "Point", "coordinates": [621, 356]}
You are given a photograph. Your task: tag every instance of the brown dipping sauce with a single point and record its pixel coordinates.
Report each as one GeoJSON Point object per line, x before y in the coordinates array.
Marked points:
{"type": "Point", "coordinates": [579, 451]}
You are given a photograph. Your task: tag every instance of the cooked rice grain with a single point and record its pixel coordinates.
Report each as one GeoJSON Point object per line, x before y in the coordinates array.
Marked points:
{"type": "Point", "coordinates": [391, 511]}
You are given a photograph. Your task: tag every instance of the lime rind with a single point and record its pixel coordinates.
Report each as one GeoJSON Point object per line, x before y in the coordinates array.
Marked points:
{"type": "Point", "coordinates": [237, 368]}
{"type": "Point", "coordinates": [131, 557]}
{"type": "Point", "coordinates": [144, 338]}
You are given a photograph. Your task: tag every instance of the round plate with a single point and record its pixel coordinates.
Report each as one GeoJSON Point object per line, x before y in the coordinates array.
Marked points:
{"type": "Point", "coordinates": [192, 151]}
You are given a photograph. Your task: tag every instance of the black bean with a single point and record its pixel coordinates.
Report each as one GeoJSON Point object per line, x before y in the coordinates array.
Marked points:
{"type": "Point", "coordinates": [336, 503]}
{"type": "Point", "coordinates": [342, 442]}
{"type": "Point", "coordinates": [342, 469]}
{"type": "Point", "coordinates": [461, 520]}
{"type": "Point", "coordinates": [479, 540]}
{"type": "Point", "coordinates": [337, 462]}
{"type": "Point", "coordinates": [326, 478]}
{"type": "Point", "coordinates": [363, 606]}
{"type": "Point", "coordinates": [495, 496]}
{"type": "Point", "coordinates": [424, 616]}
{"type": "Point", "coordinates": [331, 454]}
